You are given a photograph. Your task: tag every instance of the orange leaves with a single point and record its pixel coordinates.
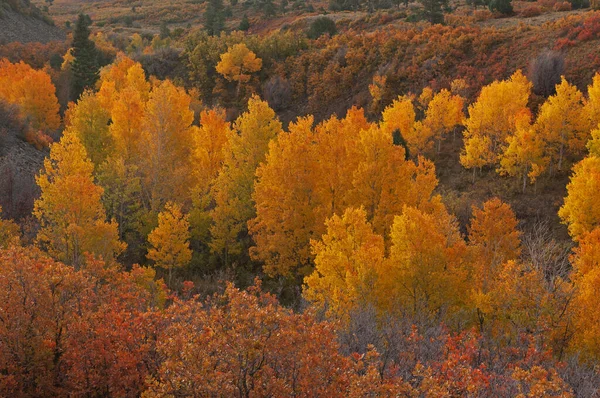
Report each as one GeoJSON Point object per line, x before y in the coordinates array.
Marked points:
{"type": "Point", "coordinates": [33, 91]}
{"type": "Point", "coordinates": [245, 343]}
{"type": "Point", "coordinates": [311, 174]}
{"type": "Point", "coordinates": [70, 332]}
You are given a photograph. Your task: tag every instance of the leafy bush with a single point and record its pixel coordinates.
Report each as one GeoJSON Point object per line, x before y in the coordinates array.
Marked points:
{"type": "Point", "coordinates": [502, 6]}
{"type": "Point", "coordinates": [564, 6]}
{"type": "Point", "coordinates": [320, 26]}
{"type": "Point", "coordinates": [531, 11]}
{"type": "Point", "coordinates": [545, 72]}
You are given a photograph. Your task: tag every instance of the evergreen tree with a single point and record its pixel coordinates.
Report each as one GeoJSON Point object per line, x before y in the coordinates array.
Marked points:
{"type": "Point", "coordinates": [244, 24]}
{"type": "Point", "coordinates": [85, 63]}
{"type": "Point", "coordinates": [433, 10]}
{"type": "Point", "coordinates": [165, 32]}
{"type": "Point", "coordinates": [399, 140]}
{"type": "Point", "coordinates": [214, 18]}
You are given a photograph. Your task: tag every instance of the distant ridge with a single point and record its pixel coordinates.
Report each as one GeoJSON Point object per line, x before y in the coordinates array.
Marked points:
{"type": "Point", "coordinates": [21, 21]}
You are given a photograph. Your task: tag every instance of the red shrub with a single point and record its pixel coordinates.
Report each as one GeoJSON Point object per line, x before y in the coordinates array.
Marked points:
{"type": "Point", "coordinates": [564, 6]}
{"type": "Point", "coordinates": [531, 11]}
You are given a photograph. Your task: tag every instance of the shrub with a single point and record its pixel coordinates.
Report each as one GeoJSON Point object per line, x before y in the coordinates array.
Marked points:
{"type": "Point", "coordinates": [545, 72]}
{"type": "Point", "coordinates": [278, 92]}
{"type": "Point", "coordinates": [320, 26]}
{"type": "Point", "coordinates": [531, 11]}
{"type": "Point", "coordinates": [564, 6]}
{"type": "Point", "coordinates": [502, 6]}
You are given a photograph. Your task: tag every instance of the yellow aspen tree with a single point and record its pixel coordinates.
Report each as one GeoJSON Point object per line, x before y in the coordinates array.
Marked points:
{"type": "Point", "coordinates": [586, 317]}
{"type": "Point", "coordinates": [127, 115]}
{"type": "Point", "coordinates": [561, 122]}
{"type": "Point", "coordinates": [400, 115]}
{"type": "Point", "coordinates": [89, 120]}
{"type": "Point", "coordinates": [165, 145]}
{"type": "Point", "coordinates": [210, 140]}
{"type": "Point", "coordinates": [425, 97]}
{"type": "Point", "coordinates": [348, 259]}
{"type": "Point", "coordinates": [586, 279]}
{"type": "Point", "coordinates": [444, 112]}
{"type": "Point", "coordinates": [524, 157]}
{"type": "Point", "coordinates": [307, 177]}
{"type": "Point", "coordinates": [232, 191]}
{"type": "Point", "coordinates": [237, 64]}
{"type": "Point", "coordinates": [287, 203]}
{"type": "Point", "coordinates": [169, 241]}
{"type": "Point", "coordinates": [592, 103]}
{"type": "Point", "coordinates": [492, 119]}
{"type": "Point", "coordinates": [581, 209]}
{"type": "Point", "coordinates": [515, 302]}
{"type": "Point", "coordinates": [337, 148]}
{"type": "Point", "coordinates": [72, 219]}
{"type": "Point", "coordinates": [425, 273]}
{"type": "Point", "coordinates": [384, 182]}
{"type": "Point", "coordinates": [593, 144]}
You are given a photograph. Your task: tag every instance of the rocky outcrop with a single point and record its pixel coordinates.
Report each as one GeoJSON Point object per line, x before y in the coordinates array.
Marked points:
{"type": "Point", "coordinates": [24, 28]}
{"type": "Point", "coordinates": [20, 162]}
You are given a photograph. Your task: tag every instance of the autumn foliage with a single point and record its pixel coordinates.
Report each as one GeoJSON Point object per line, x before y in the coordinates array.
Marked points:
{"type": "Point", "coordinates": [359, 270]}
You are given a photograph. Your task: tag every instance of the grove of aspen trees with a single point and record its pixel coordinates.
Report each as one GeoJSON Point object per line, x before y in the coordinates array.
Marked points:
{"type": "Point", "coordinates": [411, 210]}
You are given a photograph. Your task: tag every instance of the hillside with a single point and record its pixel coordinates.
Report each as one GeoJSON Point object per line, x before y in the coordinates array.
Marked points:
{"type": "Point", "coordinates": [23, 22]}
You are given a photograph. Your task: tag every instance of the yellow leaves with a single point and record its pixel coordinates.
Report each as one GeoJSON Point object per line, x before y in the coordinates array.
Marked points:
{"type": "Point", "coordinates": [72, 219]}
{"type": "Point", "coordinates": [581, 210]}
{"type": "Point", "coordinates": [32, 91]}
{"type": "Point", "coordinates": [232, 191]}
{"type": "Point", "coordinates": [209, 140]}
{"type": "Point", "coordinates": [586, 340]}
{"type": "Point", "coordinates": [289, 210]}
{"type": "Point", "coordinates": [422, 274]}
{"type": "Point", "coordinates": [561, 122]}
{"type": "Point", "coordinates": [400, 115]}
{"type": "Point", "coordinates": [492, 118]}
{"type": "Point", "coordinates": [312, 174]}
{"type": "Point", "coordinates": [525, 155]}
{"type": "Point", "coordinates": [592, 105]}
{"type": "Point", "coordinates": [165, 144]}
{"type": "Point", "coordinates": [89, 120]}
{"type": "Point", "coordinates": [443, 111]}
{"type": "Point", "coordinates": [348, 260]}
{"type": "Point", "coordinates": [169, 241]}
{"type": "Point", "coordinates": [377, 89]}
{"type": "Point", "coordinates": [238, 63]}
